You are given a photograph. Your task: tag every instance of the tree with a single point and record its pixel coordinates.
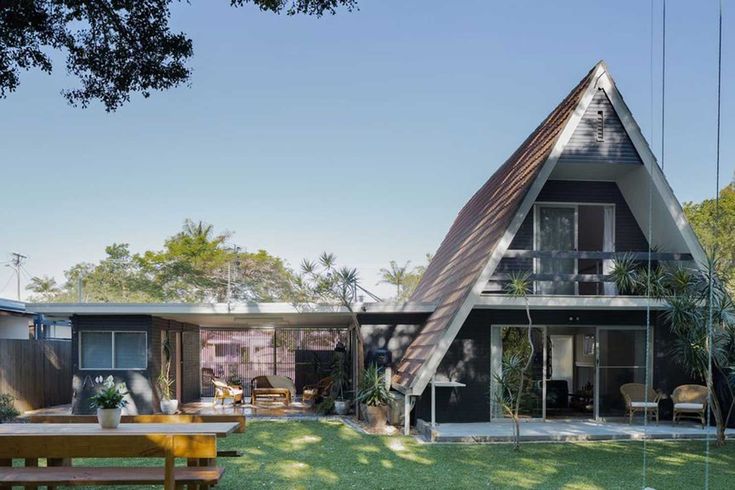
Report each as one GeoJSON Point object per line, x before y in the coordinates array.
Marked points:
{"type": "Point", "coordinates": [716, 229]}
{"type": "Point", "coordinates": [510, 384]}
{"type": "Point", "coordinates": [45, 288]}
{"type": "Point", "coordinates": [395, 276]}
{"type": "Point", "coordinates": [403, 278]}
{"type": "Point", "coordinates": [322, 281]}
{"type": "Point", "coordinates": [114, 48]}
{"type": "Point", "coordinates": [702, 317]}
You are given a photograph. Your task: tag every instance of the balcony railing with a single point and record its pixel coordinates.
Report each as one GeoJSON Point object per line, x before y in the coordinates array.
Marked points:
{"type": "Point", "coordinates": [593, 282]}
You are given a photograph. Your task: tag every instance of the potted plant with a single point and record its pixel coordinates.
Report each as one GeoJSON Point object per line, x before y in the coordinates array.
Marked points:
{"type": "Point", "coordinates": [374, 394]}
{"type": "Point", "coordinates": [169, 405]}
{"type": "Point", "coordinates": [109, 401]}
{"type": "Point", "coordinates": [340, 381]}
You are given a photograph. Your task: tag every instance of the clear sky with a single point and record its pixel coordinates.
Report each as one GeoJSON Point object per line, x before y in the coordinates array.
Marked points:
{"type": "Point", "coordinates": [361, 134]}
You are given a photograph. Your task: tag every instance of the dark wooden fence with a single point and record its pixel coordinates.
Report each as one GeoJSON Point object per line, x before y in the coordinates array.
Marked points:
{"type": "Point", "coordinates": [36, 372]}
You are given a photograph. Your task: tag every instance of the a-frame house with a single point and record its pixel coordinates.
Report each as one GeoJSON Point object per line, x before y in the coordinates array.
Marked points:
{"type": "Point", "coordinates": [583, 189]}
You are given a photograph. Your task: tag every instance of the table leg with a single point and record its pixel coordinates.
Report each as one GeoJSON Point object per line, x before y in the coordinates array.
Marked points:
{"type": "Point", "coordinates": [6, 462]}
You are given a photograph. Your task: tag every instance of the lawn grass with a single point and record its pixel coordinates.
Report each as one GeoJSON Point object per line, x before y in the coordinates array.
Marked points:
{"type": "Point", "coordinates": [324, 454]}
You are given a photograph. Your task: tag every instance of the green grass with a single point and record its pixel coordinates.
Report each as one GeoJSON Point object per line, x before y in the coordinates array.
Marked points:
{"type": "Point", "coordinates": [310, 454]}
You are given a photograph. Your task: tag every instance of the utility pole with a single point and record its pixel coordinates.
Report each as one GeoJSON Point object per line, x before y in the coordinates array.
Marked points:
{"type": "Point", "coordinates": [16, 262]}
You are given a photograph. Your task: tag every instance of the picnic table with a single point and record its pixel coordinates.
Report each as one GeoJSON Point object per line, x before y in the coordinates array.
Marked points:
{"type": "Point", "coordinates": [59, 443]}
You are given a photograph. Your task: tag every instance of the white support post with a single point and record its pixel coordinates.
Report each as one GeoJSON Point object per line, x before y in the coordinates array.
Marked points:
{"type": "Point", "coordinates": [433, 402]}
{"type": "Point", "coordinates": [406, 415]}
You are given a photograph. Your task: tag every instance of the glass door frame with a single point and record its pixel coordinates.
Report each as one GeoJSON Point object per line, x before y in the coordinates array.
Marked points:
{"type": "Point", "coordinates": [537, 238]}
{"type": "Point", "coordinates": [496, 360]}
{"type": "Point", "coordinates": [648, 367]}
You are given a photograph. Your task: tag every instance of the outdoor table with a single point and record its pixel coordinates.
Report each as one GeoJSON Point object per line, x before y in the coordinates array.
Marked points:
{"type": "Point", "coordinates": [220, 429]}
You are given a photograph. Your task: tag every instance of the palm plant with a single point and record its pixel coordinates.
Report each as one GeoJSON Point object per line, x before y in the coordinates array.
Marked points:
{"type": "Point", "coordinates": [510, 384]}
{"type": "Point", "coordinates": [373, 391]}
{"type": "Point", "coordinates": [702, 317]}
{"type": "Point", "coordinates": [396, 276]}
{"type": "Point", "coordinates": [624, 273]}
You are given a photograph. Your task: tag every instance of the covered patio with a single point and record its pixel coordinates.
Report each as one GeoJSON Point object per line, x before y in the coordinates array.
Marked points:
{"type": "Point", "coordinates": [562, 431]}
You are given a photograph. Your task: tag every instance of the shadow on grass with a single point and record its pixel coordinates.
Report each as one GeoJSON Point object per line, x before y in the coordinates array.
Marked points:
{"type": "Point", "coordinates": [319, 454]}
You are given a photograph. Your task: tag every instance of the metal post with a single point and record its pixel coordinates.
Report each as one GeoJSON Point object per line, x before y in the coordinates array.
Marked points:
{"type": "Point", "coordinates": [406, 414]}
{"type": "Point", "coordinates": [433, 402]}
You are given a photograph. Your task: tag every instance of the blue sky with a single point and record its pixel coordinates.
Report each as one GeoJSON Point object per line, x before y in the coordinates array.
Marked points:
{"type": "Point", "coordinates": [362, 133]}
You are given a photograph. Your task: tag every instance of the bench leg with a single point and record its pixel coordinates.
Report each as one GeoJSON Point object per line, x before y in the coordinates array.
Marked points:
{"type": "Point", "coordinates": [6, 462]}
{"type": "Point", "coordinates": [192, 462]}
{"type": "Point", "coordinates": [207, 462]}
{"type": "Point", "coordinates": [34, 463]}
{"type": "Point", "coordinates": [57, 462]}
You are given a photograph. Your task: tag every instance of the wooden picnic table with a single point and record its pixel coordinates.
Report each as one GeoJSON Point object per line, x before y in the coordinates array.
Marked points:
{"type": "Point", "coordinates": [83, 440]}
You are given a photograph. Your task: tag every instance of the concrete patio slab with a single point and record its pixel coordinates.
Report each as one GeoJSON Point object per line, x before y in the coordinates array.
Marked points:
{"type": "Point", "coordinates": [561, 431]}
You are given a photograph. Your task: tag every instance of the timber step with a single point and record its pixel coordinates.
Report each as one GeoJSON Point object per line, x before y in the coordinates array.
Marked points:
{"type": "Point", "coordinates": [80, 475]}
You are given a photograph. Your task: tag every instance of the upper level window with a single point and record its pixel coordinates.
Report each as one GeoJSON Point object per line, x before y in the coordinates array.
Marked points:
{"type": "Point", "coordinates": [113, 350]}
{"type": "Point", "coordinates": [570, 230]}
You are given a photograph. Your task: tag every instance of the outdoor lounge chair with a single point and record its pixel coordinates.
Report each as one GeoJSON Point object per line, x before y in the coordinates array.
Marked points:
{"type": "Point", "coordinates": [690, 401]}
{"type": "Point", "coordinates": [637, 401]}
{"type": "Point", "coordinates": [322, 389]}
{"type": "Point", "coordinates": [222, 391]}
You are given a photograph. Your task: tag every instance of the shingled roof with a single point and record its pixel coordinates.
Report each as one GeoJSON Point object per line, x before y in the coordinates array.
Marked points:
{"type": "Point", "coordinates": [465, 251]}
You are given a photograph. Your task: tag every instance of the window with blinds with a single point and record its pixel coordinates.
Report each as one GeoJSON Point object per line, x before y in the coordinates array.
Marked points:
{"type": "Point", "coordinates": [113, 350]}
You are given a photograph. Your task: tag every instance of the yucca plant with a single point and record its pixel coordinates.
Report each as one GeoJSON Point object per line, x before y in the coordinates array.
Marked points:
{"type": "Point", "coordinates": [373, 391]}
{"type": "Point", "coordinates": [625, 274]}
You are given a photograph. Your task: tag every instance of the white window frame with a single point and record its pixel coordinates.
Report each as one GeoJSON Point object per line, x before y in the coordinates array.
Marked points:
{"type": "Point", "coordinates": [575, 205]}
{"type": "Point", "coordinates": [112, 361]}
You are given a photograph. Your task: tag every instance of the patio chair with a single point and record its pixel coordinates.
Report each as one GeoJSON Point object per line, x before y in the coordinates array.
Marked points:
{"type": "Point", "coordinates": [322, 389]}
{"type": "Point", "coordinates": [223, 391]}
{"type": "Point", "coordinates": [635, 400]}
{"type": "Point", "coordinates": [690, 401]}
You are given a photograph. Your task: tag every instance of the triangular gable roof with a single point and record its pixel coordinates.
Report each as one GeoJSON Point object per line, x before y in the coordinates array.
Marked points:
{"type": "Point", "coordinates": [486, 225]}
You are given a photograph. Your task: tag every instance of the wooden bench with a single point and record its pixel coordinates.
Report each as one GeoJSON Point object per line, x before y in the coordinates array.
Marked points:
{"type": "Point", "coordinates": [58, 449]}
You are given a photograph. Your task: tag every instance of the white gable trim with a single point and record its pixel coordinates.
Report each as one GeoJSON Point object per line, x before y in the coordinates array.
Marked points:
{"type": "Point", "coordinates": [429, 368]}
{"type": "Point", "coordinates": [652, 168]}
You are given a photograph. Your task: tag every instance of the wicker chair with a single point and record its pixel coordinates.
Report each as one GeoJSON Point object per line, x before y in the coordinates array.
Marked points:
{"type": "Point", "coordinates": [690, 401]}
{"type": "Point", "coordinates": [322, 389]}
{"type": "Point", "coordinates": [222, 391]}
{"type": "Point", "coordinates": [637, 401]}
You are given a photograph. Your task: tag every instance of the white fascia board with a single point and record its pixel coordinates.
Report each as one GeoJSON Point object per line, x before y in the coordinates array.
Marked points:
{"type": "Point", "coordinates": [239, 309]}
{"type": "Point", "coordinates": [652, 168]}
{"type": "Point", "coordinates": [503, 302]}
{"type": "Point", "coordinates": [421, 381]}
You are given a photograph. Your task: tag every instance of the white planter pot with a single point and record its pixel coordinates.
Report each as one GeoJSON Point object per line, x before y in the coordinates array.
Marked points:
{"type": "Point", "coordinates": [341, 407]}
{"type": "Point", "coordinates": [109, 418]}
{"type": "Point", "coordinates": [169, 407]}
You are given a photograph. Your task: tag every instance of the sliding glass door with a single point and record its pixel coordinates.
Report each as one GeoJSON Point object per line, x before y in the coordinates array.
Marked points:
{"type": "Point", "coordinates": [621, 358]}
{"type": "Point", "coordinates": [512, 342]}
{"type": "Point", "coordinates": [556, 231]}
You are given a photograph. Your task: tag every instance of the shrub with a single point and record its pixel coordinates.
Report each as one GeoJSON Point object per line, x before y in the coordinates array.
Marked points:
{"type": "Point", "coordinates": [8, 411]}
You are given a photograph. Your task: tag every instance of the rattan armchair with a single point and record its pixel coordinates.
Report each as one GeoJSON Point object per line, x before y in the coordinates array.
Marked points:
{"type": "Point", "coordinates": [639, 398]}
{"type": "Point", "coordinates": [690, 401]}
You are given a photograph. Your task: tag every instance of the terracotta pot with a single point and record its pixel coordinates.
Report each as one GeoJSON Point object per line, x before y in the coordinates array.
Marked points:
{"type": "Point", "coordinates": [169, 407]}
{"type": "Point", "coordinates": [109, 418]}
{"type": "Point", "coordinates": [377, 417]}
